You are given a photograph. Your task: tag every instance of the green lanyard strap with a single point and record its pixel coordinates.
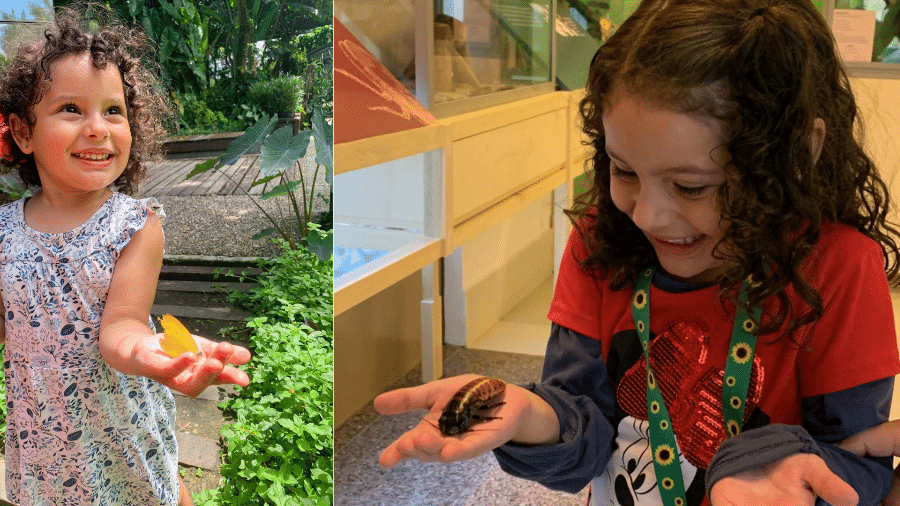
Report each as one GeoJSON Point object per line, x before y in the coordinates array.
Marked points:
{"type": "Point", "coordinates": [734, 389]}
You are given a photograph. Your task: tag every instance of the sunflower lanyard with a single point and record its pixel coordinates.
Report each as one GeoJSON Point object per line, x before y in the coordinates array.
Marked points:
{"type": "Point", "coordinates": [734, 389]}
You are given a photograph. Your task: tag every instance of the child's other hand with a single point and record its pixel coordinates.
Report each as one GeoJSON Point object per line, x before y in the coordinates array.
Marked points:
{"type": "Point", "coordinates": [793, 481]}
{"type": "Point", "coordinates": [188, 373]}
{"type": "Point", "coordinates": [522, 414]}
{"type": "Point", "coordinates": [880, 441]}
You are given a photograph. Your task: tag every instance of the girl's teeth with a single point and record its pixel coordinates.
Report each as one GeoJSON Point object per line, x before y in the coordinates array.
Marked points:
{"type": "Point", "coordinates": [92, 157]}
{"type": "Point", "coordinates": [686, 240]}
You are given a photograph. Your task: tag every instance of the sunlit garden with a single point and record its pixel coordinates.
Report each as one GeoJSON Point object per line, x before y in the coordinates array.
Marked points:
{"type": "Point", "coordinates": [261, 70]}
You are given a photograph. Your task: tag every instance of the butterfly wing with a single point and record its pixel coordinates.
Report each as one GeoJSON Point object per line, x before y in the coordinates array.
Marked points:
{"type": "Point", "coordinates": [176, 339]}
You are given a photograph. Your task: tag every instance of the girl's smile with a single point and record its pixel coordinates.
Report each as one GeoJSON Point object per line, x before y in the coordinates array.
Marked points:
{"type": "Point", "coordinates": [665, 172]}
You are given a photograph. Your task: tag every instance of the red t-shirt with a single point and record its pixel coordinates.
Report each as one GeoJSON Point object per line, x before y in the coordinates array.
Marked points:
{"type": "Point", "coordinates": [853, 343]}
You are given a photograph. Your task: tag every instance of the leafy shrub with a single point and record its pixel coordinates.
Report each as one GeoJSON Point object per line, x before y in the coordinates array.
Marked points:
{"type": "Point", "coordinates": [280, 95]}
{"type": "Point", "coordinates": [280, 449]}
{"type": "Point", "coordinates": [195, 116]}
{"type": "Point", "coordinates": [295, 288]}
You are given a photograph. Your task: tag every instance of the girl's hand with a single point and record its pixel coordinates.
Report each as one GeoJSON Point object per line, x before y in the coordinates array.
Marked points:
{"type": "Point", "coordinates": [793, 481]}
{"type": "Point", "coordinates": [880, 441]}
{"type": "Point", "coordinates": [188, 373]}
{"type": "Point", "coordinates": [524, 417]}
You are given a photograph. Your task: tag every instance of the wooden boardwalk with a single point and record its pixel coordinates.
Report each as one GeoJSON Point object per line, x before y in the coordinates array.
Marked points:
{"type": "Point", "coordinates": [168, 178]}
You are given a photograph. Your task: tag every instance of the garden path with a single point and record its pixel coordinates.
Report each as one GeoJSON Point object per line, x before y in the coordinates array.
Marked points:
{"type": "Point", "coordinates": [168, 177]}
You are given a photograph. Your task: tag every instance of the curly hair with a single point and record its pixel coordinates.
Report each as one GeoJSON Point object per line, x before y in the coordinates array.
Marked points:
{"type": "Point", "coordinates": [766, 70]}
{"type": "Point", "coordinates": [25, 79]}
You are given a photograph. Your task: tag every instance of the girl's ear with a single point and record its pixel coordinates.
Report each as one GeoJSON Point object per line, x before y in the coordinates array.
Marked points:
{"type": "Point", "coordinates": [817, 139]}
{"type": "Point", "coordinates": [21, 133]}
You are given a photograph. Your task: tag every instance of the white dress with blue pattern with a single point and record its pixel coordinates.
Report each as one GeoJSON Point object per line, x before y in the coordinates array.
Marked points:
{"type": "Point", "coordinates": [78, 431]}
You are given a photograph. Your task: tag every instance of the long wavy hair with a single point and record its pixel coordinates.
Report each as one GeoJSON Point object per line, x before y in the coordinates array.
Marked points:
{"type": "Point", "coordinates": [26, 78]}
{"type": "Point", "coordinates": [765, 69]}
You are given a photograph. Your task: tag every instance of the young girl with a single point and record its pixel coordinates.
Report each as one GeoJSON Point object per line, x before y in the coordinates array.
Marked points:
{"type": "Point", "coordinates": [90, 414]}
{"type": "Point", "coordinates": [735, 218]}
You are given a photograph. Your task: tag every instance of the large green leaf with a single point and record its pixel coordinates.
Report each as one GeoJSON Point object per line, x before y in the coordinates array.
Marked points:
{"type": "Point", "coordinates": [321, 243]}
{"type": "Point", "coordinates": [323, 135]}
{"type": "Point", "coordinates": [243, 144]}
{"type": "Point", "coordinates": [281, 149]}
{"type": "Point", "coordinates": [324, 142]}
{"type": "Point", "coordinates": [200, 168]}
{"type": "Point", "coordinates": [280, 190]}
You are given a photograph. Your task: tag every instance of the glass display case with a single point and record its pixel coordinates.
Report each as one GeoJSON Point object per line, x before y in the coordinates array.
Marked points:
{"type": "Point", "coordinates": [458, 56]}
{"type": "Point", "coordinates": [386, 225]}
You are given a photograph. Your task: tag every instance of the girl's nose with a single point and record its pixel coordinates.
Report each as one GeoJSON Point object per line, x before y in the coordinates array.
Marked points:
{"type": "Point", "coordinates": [652, 210]}
{"type": "Point", "coordinates": [96, 127]}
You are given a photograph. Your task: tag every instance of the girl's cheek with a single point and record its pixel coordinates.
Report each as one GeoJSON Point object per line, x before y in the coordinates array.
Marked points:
{"type": "Point", "coordinates": [621, 197]}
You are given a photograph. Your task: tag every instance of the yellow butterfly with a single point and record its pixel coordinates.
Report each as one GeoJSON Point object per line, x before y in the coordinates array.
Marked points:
{"type": "Point", "coordinates": [177, 339]}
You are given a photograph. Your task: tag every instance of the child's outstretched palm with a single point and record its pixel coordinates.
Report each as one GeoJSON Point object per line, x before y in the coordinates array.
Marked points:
{"type": "Point", "coordinates": [793, 481]}
{"type": "Point", "coordinates": [519, 418]}
{"type": "Point", "coordinates": [188, 373]}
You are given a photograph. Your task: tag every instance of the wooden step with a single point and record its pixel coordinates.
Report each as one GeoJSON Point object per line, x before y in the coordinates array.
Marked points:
{"type": "Point", "coordinates": [177, 285]}
{"type": "Point", "coordinates": [204, 273]}
{"type": "Point", "coordinates": [203, 313]}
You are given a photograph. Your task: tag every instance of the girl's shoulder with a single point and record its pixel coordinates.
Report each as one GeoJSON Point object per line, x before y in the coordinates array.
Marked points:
{"type": "Point", "coordinates": [128, 205]}
{"type": "Point", "coordinates": [11, 210]}
{"type": "Point", "coordinates": [843, 241]}
{"type": "Point", "coordinates": [842, 249]}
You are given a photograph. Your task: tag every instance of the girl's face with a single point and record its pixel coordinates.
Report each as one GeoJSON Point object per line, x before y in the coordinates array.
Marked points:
{"type": "Point", "coordinates": [666, 169]}
{"type": "Point", "coordinates": [81, 139]}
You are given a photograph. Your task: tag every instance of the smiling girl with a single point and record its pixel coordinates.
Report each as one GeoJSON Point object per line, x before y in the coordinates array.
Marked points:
{"type": "Point", "coordinates": [91, 419]}
{"type": "Point", "coordinates": [722, 317]}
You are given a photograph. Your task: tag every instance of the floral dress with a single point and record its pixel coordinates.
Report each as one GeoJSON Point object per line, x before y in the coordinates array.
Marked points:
{"type": "Point", "coordinates": [78, 432]}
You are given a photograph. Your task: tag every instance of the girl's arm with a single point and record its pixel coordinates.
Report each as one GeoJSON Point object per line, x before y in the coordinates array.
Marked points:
{"type": "Point", "coordinates": [576, 384]}
{"type": "Point", "coordinates": [777, 457]}
{"type": "Point", "coordinates": [128, 344]}
{"type": "Point", "coordinates": [879, 441]}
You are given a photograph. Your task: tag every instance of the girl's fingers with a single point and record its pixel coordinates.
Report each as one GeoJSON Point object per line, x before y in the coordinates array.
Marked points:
{"type": "Point", "coordinates": [425, 396]}
{"type": "Point", "coordinates": [418, 444]}
{"type": "Point", "coordinates": [233, 375]}
{"type": "Point", "coordinates": [404, 400]}
{"type": "Point", "coordinates": [829, 486]}
{"type": "Point", "coordinates": [882, 440]}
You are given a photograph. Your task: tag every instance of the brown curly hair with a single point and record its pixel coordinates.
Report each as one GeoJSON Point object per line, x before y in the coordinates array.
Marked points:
{"type": "Point", "coordinates": [765, 69]}
{"type": "Point", "coordinates": [26, 76]}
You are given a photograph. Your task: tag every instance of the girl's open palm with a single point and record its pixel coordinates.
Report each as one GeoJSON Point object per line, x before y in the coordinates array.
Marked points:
{"type": "Point", "coordinates": [188, 373]}
{"type": "Point", "coordinates": [425, 441]}
{"type": "Point", "coordinates": [793, 481]}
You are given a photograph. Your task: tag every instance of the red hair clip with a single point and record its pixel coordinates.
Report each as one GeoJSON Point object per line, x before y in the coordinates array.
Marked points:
{"type": "Point", "coordinates": [5, 141]}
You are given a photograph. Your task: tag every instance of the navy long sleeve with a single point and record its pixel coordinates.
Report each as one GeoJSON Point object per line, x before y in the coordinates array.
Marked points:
{"type": "Point", "coordinates": [577, 384]}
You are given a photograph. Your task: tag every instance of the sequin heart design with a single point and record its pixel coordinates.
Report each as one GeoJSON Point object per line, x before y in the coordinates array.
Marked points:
{"type": "Point", "coordinates": [690, 386]}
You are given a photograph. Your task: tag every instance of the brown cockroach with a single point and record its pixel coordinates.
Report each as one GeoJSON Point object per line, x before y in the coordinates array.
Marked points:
{"type": "Point", "coordinates": [461, 413]}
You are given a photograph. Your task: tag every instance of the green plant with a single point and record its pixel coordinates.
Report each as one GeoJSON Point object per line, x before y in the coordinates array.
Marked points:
{"type": "Point", "coordinates": [291, 289]}
{"type": "Point", "coordinates": [281, 95]}
{"type": "Point", "coordinates": [194, 115]}
{"type": "Point", "coordinates": [280, 151]}
{"type": "Point", "coordinates": [280, 448]}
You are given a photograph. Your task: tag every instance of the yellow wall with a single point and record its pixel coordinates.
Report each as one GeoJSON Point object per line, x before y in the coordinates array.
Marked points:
{"type": "Point", "coordinates": [376, 343]}
{"type": "Point", "coordinates": [879, 103]}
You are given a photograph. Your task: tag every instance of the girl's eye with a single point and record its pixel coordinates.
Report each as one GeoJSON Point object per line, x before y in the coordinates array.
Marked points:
{"type": "Point", "coordinates": [623, 174]}
{"type": "Point", "coordinates": [70, 108]}
{"type": "Point", "coordinates": [115, 110]}
{"type": "Point", "coordinates": [692, 191]}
